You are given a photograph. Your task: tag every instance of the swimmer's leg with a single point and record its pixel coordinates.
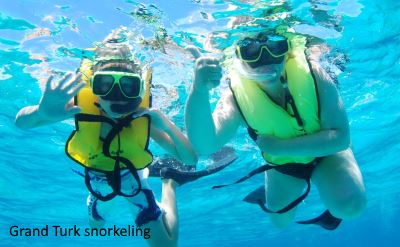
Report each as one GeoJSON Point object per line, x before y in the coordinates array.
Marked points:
{"type": "Point", "coordinates": [163, 223]}
{"type": "Point", "coordinates": [149, 208]}
{"type": "Point", "coordinates": [340, 184]}
{"type": "Point", "coordinates": [279, 190]}
{"type": "Point", "coordinates": [164, 231]}
{"type": "Point", "coordinates": [97, 211]}
{"type": "Point", "coordinates": [282, 189]}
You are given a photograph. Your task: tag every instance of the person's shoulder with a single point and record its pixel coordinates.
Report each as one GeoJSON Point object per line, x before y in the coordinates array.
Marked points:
{"type": "Point", "coordinates": [327, 89]}
{"type": "Point", "coordinates": [319, 72]}
{"type": "Point", "coordinates": [314, 57]}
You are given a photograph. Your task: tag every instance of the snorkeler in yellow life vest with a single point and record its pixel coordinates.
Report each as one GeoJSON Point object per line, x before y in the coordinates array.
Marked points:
{"type": "Point", "coordinates": [109, 98]}
{"type": "Point", "coordinates": [126, 147]}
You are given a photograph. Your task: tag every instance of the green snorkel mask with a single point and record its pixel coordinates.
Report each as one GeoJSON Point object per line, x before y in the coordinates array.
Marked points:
{"type": "Point", "coordinates": [115, 83]}
{"type": "Point", "coordinates": [130, 84]}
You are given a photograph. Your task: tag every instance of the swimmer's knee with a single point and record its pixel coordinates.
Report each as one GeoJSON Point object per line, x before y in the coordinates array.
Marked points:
{"type": "Point", "coordinates": [350, 206]}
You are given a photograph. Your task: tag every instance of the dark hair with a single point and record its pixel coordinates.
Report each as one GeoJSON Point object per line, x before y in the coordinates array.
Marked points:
{"type": "Point", "coordinates": [117, 65]}
{"type": "Point", "coordinates": [115, 57]}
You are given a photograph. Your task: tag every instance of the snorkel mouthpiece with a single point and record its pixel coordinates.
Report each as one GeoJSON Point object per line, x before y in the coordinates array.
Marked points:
{"type": "Point", "coordinates": [254, 75]}
{"type": "Point", "coordinates": [123, 108]}
{"type": "Point", "coordinates": [124, 105]}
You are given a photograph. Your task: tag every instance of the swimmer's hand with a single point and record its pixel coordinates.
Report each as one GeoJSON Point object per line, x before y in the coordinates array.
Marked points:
{"type": "Point", "coordinates": [54, 104]}
{"type": "Point", "coordinates": [271, 145]}
{"type": "Point", "coordinates": [207, 71]}
{"type": "Point", "coordinates": [169, 137]}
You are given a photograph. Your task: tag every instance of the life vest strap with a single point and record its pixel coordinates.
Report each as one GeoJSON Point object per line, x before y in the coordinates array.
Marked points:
{"type": "Point", "coordinates": [301, 171]}
{"type": "Point", "coordinates": [85, 117]}
{"type": "Point", "coordinates": [95, 193]}
{"type": "Point", "coordinates": [114, 178]}
{"type": "Point", "coordinates": [291, 205]}
{"type": "Point", "coordinates": [289, 98]}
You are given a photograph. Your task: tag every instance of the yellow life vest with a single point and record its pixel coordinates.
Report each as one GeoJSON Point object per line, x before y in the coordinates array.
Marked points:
{"type": "Point", "coordinates": [85, 146]}
{"type": "Point", "coordinates": [265, 117]}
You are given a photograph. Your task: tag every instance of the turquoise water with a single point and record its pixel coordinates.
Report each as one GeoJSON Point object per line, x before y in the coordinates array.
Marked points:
{"type": "Point", "coordinates": [39, 37]}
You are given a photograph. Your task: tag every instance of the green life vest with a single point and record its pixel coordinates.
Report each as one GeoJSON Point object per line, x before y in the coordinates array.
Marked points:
{"type": "Point", "coordinates": [265, 117]}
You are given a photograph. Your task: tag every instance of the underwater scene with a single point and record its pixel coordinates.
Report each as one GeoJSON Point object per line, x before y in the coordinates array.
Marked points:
{"type": "Point", "coordinates": [44, 195]}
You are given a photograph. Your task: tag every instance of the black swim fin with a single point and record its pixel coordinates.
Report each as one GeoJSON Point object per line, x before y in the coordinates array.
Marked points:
{"type": "Point", "coordinates": [160, 163]}
{"type": "Point", "coordinates": [224, 152]}
{"type": "Point", "coordinates": [167, 161]}
{"type": "Point", "coordinates": [256, 196]}
{"type": "Point", "coordinates": [182, 177]}
{"type": "Point", "coordinates": [325, 220]}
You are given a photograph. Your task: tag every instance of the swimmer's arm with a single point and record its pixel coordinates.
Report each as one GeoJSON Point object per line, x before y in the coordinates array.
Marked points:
{"type": "Point", "coordinates": [31, 117]}
{"type": "Point", "coordinates": [171, 139]}
{"type": "Point", "coordinates": [56, 104]}
{"type": "Point", "coordinates": [334, 135]}
{"type": "Point", "coordinates": [209, 132]}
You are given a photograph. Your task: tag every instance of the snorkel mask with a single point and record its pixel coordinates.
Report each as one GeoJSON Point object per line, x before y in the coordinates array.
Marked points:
{"type": "Point", "coordinates": [258, 58]}
{"type": "Point", "coordinates": [117, 78]}
{"type": "Point", "coordinates": [262, 50]}
{"type": "Point", "coordinates": [125, 88]}
{"type": "Point", "coordinates": [130, 85]}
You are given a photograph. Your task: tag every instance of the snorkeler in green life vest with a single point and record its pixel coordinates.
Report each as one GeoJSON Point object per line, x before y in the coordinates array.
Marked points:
{"type": "Point", "coordinates": [110, 101]}
{"type": "Point", "coordinates": [294, 113]}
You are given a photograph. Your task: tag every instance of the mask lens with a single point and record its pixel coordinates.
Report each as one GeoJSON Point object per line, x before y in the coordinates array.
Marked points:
{"type": "Point", "coordinates": [102, 84]}
{"type": "Point", "coordinates": [259, 52]}
{"type": "Point", "coordinates": [131, 85]}
{"type": "Point", "coordinates": [277, 45]}
{"type": "Point", "coordinates": [266, 59]}
{"type": "Point", "coordinates": [249, 49]}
